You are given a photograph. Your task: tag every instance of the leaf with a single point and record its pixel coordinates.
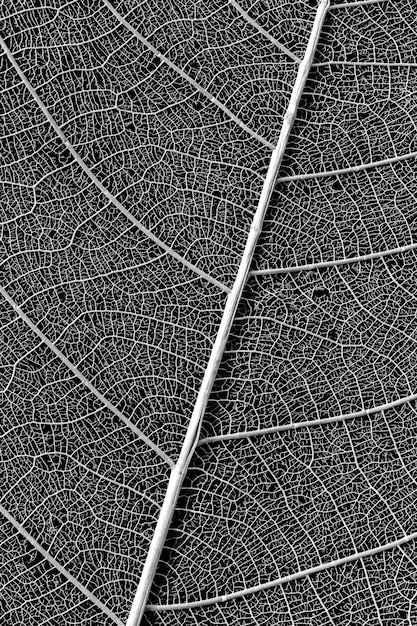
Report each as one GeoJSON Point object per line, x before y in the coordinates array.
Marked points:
{"type": "Point", "coordinates": [238, 443]}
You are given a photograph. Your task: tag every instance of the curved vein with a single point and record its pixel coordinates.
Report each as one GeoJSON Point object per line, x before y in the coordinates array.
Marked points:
{"type": "Point", "coordinates": [310, 423]}
{"type": "Point", "coordinates": [83, 379]}
{"type": "Point", "coordinates": [88, 594]}
{"type": "Point", "coordinates": [285, 579]}
{"type": "Point", "coordinates": [264, 32]}
{"type": "Point", "coordinates": [98, 184]}
{"type": "Point", "coordinates": [344, 261]}
{"type": "Point", "coordinates": [188, 78]}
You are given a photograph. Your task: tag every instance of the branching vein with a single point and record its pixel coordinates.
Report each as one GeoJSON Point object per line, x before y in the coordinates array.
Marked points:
{"type": "Point", "coordinates": [348, 170]}
{"type": "Point", "coordinates": [348, 5]}
{"type": "Point", "coordinates": [310, 423]}
{"type": "Point", "coordinates": [344, 261]}
{"type": "Point", "coordinates": [188, 78]}
{"type": "Point", "coordinates": [264, 32]}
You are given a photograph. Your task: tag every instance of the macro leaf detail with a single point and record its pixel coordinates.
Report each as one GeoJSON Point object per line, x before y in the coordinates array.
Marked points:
{"type": "Point", "coordinates": [208, 251]}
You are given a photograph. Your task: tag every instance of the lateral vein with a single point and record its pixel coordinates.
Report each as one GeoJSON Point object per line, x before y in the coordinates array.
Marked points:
{"type": "Point", "coordinates": [83, 379]}
{"type": "Point", "coordinates": [344, 261]}
{"type": "Point", "coordinates": [188, 78]}
{"type": "Point", "coordinates": [310, 423]}
{"type": "Point", "coordinates": [88, 594]}
{"type": "Point", "coordinates": [392, 545]}
{"type": "Point", "coordinates": [348, 5]}
{"type": "Point", "coordinates": [348, 170]}
{"type": "Point", "coordinates": [96, 181]}
{"type": "Point", "coordinates": [365, 64]}
{"type": "Point", "coordinates": [264, 32]}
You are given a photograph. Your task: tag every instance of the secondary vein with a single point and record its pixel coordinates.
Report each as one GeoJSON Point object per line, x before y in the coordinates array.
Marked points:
{"type": "Point", "coordinates": [310, 423]}
{"type": "Point", "coordinates": [348, 170]}
{"type": "Point", "coordinates": [88, 594]}
{"type": "Point", "coordinates": [96, 181]}
{"type": "Point", "coordinates": [264, 32]}
{"type": "Point", "coordinates": [186, 77]}
{"type": "Point", "coordinates": [83, 379]}
{"type": "Point", "coordinates": [285, 579]}
{"type": "Point", "coordinates": [335, 263]}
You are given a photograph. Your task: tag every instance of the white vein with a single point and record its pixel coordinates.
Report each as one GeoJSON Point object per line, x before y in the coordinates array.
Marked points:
{"type": "Point", "coordinates": [348, 170]}
{"type": "Point", "coordinates": [264, 32]}
{"type": "Point", "coordinates": [310, 423]}
{"type": "Point", "coordinates": [88, 594]}
{"type": "Point", "coordinates": [96, 181]}
{"type": "Point", "coordinates": [193, 431]}
{"type": "Point", "coordinates": [348, 5]}
{"type": "Point", "coordinates": [334, 263]}
{"type": "Point", "coordinates": [285, 579]}
{"type": "Point", "coordinates": [83, 379]}
{"type": "Point", "coordinates": [186, 76]}
{"type": "Point", "coordinates": [366, 63]}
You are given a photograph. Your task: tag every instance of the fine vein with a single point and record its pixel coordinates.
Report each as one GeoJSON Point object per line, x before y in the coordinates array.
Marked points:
{"type": "Point", "coordinates": [59, 567]}
{"type": "Point", "coordinates": [83, 379]}
{"type": "Point", "coordinates": [96, 181]}
{"type": "Point", "coordinates": [186, 76]}
{"type": "Point", "coordinates": [193, 431]}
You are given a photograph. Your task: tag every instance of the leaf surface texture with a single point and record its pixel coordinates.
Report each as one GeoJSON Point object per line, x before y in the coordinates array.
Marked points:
{"type": "Point", "coordinates": [136, 141]}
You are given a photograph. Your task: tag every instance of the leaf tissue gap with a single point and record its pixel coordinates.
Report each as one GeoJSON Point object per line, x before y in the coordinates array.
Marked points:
{"type": "Point", "coordinates": [192, 435]}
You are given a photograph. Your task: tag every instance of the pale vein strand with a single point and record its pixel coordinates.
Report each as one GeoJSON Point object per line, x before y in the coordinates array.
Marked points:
{"type": "Point", "coordinates": [193, 431]}
{"type": "Point", "coordinates": [360, 3]}
{"type": "Point", "coordinates": [83, 379]}
{"type": "Point", "coordinates": [366, 64]}
{"type": "Point", "coordinates": [88, 594]}
{"type": "Point", "coordinates": [264, 32]}
{"type": "Point", "coordinates": [322, 264]}
{"type": "Point", "coordinates": [310, 423]}
{"type": "Point", "coordinates": [285, 579]}
{"type": "Point", "coordinates": [96, 181]}
{"type": "Point", "coordinates": [348, 170]}
{"type": "Point", "coordinates": [186, 77]}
